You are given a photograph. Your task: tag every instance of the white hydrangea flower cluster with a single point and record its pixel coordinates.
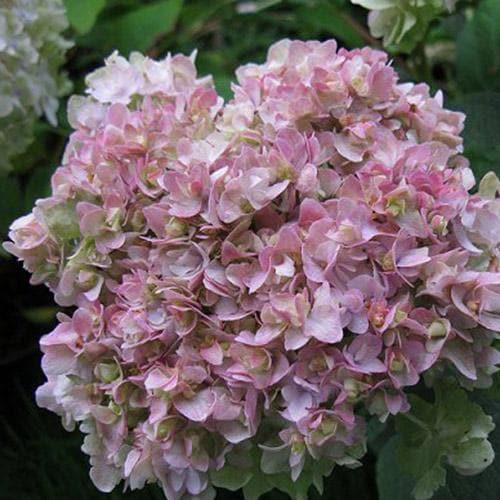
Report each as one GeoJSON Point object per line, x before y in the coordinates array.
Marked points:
{"type": "Point", "coordinates": [402, 23]}
{"type": "Point", "coordinates": [31, 53]}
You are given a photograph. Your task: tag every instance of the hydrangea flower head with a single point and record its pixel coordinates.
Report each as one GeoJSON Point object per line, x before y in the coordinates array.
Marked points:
{"type": "Point", "coordinates": [250, 279]}
{"type": "Point", "coordinates": [31, 52]}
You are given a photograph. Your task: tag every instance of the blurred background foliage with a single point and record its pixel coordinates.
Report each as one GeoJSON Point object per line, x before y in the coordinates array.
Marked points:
{"type": "Point", "coordinates": [451, 45]}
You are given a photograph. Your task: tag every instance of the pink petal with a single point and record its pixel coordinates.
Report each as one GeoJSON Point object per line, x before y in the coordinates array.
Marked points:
{"type": "Point", "coordinates": [199, 407]}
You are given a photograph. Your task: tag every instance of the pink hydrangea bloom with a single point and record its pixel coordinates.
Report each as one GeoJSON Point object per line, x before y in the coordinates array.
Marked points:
{"type": "Point", "coordinates": [248, 276]}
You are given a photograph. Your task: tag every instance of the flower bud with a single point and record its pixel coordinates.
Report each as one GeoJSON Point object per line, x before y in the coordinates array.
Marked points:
{"type": "Point", "coordinates": [107, 371]}
{"type": "Point", "coordinates": [438, 328]}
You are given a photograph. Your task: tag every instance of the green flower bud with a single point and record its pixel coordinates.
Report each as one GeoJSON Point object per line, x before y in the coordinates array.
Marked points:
{"type": "Point", "coordinates": [107, 371]}
{"type": "Point", "coordinates": [438, 328]}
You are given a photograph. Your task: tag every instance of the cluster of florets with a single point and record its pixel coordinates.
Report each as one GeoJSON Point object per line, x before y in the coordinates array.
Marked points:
{"type": "Point", "coordinates": [252, 278]}
{"type": "Point", "coordinates": [31, 52]}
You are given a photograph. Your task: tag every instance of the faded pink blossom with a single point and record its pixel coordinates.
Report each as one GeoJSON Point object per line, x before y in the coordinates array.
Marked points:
{"type": "Point", "coordinates": [290, 260]}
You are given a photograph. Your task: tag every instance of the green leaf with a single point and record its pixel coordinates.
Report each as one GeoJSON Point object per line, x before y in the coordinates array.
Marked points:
{"type": "Point", "coordinates": [482, 130]}
{"type": "Point", "coordinates": [230, 477]}
{"type": "Point", "coordinates": [453, 430]}
{"type": "Point", "coordinates": [424, 462]}
{"type": "Point", "coordinates": [486, 485]}
{"type": "Point", "coordinates": [331, 19]}
{"type": "Point", "coordinates": [471, 456]}
{"type": "Point", "coordinates": [83, 14]}
{"type": "Point", "coordinates": [312, 475]}
{"type": "Point", "coordinates": [392, 482]}
{"type": "Point", "coordinates": [492, 397]}
{"type": "Point", "coordinates": [297, 490]}
{"type": "Point", "coordinates": [378, 433]}
{"type": "Point", "coordinates": [478, 49]}
{"type": "Point", "coordinates": [429, 482]}
{"type": "Point", "coordinates": [138, 29]}
{"type": "Point", "coordinates": [223, 85]}
{"type": "Point", "coordinates": [260, 483]}
{"type": "Point", "coordinates": [256, 487]}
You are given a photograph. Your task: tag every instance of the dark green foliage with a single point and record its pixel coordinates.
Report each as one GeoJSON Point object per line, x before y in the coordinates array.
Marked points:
{"type": "Point", "coordinates": [482, 130]}
{"type": "Point", "coordinates": [394, 483]}
{"type": "Point", "coordinates": [478, 49]}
